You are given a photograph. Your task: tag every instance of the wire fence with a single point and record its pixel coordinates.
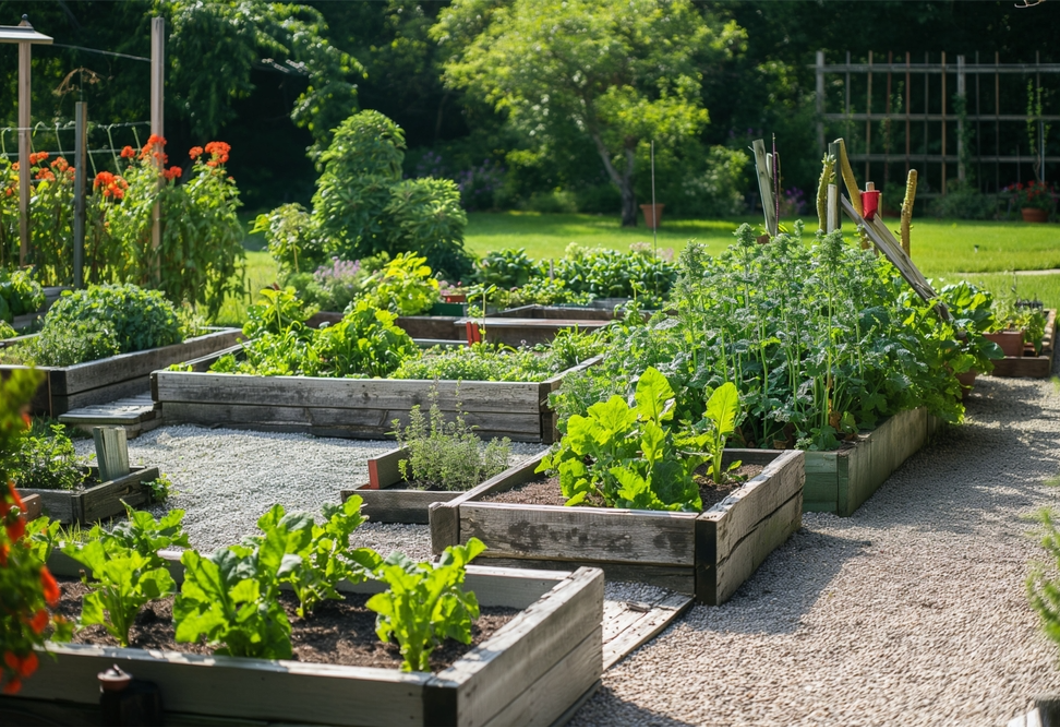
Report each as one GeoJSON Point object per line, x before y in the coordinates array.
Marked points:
{"type": "Point", "coordinates": [117, 136]}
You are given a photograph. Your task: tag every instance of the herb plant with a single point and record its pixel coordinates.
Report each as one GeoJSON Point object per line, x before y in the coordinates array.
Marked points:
{"type": "Point", "coordinates": [426, 603]}
{"type": "Point", "coordinates": [447, 455]}
{"type": "Point", "coordinates": [45, 459]}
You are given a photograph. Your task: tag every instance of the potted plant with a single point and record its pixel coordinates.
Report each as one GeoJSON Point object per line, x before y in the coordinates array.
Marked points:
{"type": "Point", "coordinates": [973, 316]}
{"type": "Point", "coordinates": [1034, 200]}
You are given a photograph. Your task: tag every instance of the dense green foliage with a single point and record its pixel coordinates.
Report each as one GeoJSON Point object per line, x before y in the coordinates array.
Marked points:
{"type": "Point", "coordinates": [139, 319]}
{"type": "Point", "coordinates": [44, 458]}
{"type": "Point", "coordinates": [19, 295]}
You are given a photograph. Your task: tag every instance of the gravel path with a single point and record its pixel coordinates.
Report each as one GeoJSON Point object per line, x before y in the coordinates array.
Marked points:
{"type": "Point", "coordinates": [911, 612]}
{"type": "Point", "coordinates": [226, 479]}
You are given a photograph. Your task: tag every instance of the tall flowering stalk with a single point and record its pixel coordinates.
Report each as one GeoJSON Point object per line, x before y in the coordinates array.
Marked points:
{"type": "Point", "coordinates": [28, 591]}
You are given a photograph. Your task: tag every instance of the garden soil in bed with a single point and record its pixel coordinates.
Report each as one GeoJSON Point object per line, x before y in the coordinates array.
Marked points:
{"type": "Point", "coordinates": [339, 632]}
{"type": "Point", "coordinates": [547, 491]}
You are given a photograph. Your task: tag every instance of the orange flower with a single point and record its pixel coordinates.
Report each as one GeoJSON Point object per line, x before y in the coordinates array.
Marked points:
{"type": "Point", "coordinates": [195, 152]}
{"type": "Point", "coordinates": [39, 621]}
{"type": "Point", "coordinates": [149, 148]}
{"type": "Point", "coordinates": [29, 665]}
{"type": "Point", "coordinates": [15, 166]}
{"type": "Point", "coordinates": [172, 173]}
{"type": "Point", "coordinates": [218, 151]}
{"type": "Point", "coordinates": [51, 588]}
{"type": "Point", "coordinates": [45, 174]}
{"type": "Point", "coordinates": [60, 164]}
{"type": "Point", "coordinates": [12, 660]}
{"type": "Point", "coordinates": [128, 152]}
{"type": "Point", "coordinates": [38, 157]}
{"type": "Point", "coordinates": [16, 529]}
{"type": "Point", "coordinates": [103, 179]}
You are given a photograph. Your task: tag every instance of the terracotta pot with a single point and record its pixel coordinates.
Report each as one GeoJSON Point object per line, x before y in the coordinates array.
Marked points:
{"type": "Point", "coordinates": [1011, 342]}
{"type": "Point", "coordinates": [652, 215]}
{"type": "Point", "coordinates": [1033, 214]}
{"type": "Point", "coordinates": [455, 298]}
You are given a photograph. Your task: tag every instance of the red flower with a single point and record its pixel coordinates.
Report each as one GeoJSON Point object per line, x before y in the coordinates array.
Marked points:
{"type": "Point", "coordinates": [38, 157]}
{"type": "Point", "coordinates": [29, 665]}
{"type": "Point", "coordinates": [218, 151]}
{"type": "Point", "coordinates": [195, 152]}
{"type": "Point", "coordinates": [128, 152]}
{"type": "Point", "coordinates": [12, 660]}
{"type": "Point", "coordinates": [39, 621]}
{"type": "Point", "coordinates": [172, 173]}
{"type": "Point", "coordinates": [45, 174]}
{"type": "Point", "coordinates": [51, 588]}
{"type": "Point", "coordinates": [12, 686]}
{"type": "Point", "coordinates": [4, 550]}
{"type": "Point", "coordinates": [149, 148]}
{"type": "Point", "coordinates": [16, 529]}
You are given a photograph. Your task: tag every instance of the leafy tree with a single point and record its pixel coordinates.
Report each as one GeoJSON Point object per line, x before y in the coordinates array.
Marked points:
{"type": "Point", "coordinates": [617, 73]}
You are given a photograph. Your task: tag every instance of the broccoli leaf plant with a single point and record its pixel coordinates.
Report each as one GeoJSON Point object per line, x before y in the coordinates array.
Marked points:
{"type": "Point", "coordinates": [126, 570]}
{"type": "Point", "coordinates": [630, 456]}
{"type": "Point", "coordinates": [425, 603]}
{"type": "Point", "coordinates": [723, 406]}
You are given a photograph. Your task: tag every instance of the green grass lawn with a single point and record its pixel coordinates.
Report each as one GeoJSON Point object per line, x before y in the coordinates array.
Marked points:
{"type": "Point", "coordinates": [987, 251]}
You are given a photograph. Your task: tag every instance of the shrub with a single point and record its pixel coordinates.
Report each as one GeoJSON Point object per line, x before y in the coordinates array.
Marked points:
{"type": "Point", "coordinates": [68, 345]}
{"type": "Point", "coordinates": [964, 202]}
{"type": "Point", "coordinates": [45, 459]}
{"type": "Point", "coordinates": [19, 295]}
{"type": "Point", "coordinates": [139, 319]}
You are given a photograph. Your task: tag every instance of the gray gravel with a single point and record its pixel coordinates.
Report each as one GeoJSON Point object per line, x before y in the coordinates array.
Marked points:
{"type": "Point", "coordinates": [911, 612]}
{"type": "Point", "coordinates": [225, 479]}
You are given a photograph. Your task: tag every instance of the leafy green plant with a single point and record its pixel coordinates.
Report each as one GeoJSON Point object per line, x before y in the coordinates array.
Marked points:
{"type": "Point", "coordinates": [79, 342]}
{"type": "Point", "coordinates": [404, 286]}
{"type": "Point", "coordinates": [626, 456]}
{"type": "Point", "coordinates": [19, 294]}
{"type": "Point", "coordinates": [444, 454]}
{"type": "Point", "coordinates": [1043, 588]}
{"type": "Point", "coordinates": [292, 237]}
{"type": "Point", "coordinates": [161, 488]}
{"type": "Point", "coordinates": [508, 268]}
{"type": "Point", "coordinates": [477, 362]}
{"type": "Point", "coordinates": [426, 603]}
{"type": "Point", "coordinates": [45, 459]}
{"type": "Point", "coordinates": [122, 581]}
{"type": "Point", "coordinates": [143, 534]}
{"type": "Point", "coordinates": [140, 319]}
{"type": "Point", "coordinates": [723, 407]}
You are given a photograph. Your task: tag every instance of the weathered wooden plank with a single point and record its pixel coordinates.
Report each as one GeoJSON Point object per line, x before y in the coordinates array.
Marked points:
{"type": "Point", "coordinates": [641, 631]}
{"type": "Point", "coordinates": [112, 452]}
{"type": "Point", "coordinates": [676, 578]}
{"type": "Point", "coordinates": [243, 688]}
{"type": "Point", "coordinates": [381, 394]}
{"type": "Point", "coordinates": [598, 534]}
{"type": "Point", "coordinates": [97, 502]}
{"type": "Point", "coordinates": [490, 676]}
{"type": "Point", "coordinates": [391, 505]}
{"type": "Point", "coordinates": [385, 469]}
{"type": "Point", "coordinates": [547, 698]}
{"type": "Point", "coordinates": [737, 514]}
{"type": "Point", "coordinates": [339, 422]}
{"type": "Point", "coordinates": [755, 547]}
{"type": "Point", "coordinates": [71, 380]}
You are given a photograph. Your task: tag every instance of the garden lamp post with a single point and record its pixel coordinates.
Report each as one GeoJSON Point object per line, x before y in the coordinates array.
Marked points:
{"type": "Point", "coordinates": [25, 36]}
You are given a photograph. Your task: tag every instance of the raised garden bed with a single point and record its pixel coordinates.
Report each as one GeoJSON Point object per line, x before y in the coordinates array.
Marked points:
{"type": "Point", "coordinates": [441, 326]}
{"type": "Point", "coordinates": [72, 387]}
{"type": "Point", "coordinates": [97, 501]}
{"type": "Point", "coordinates": [531, 671]}
{"type": "Point", "coordinates": [840, 481]}
{"type": "Point", "coordinates": [707, 554]}
{"type": "Point", "coordinates": [385, 501]}
{"type": "Point", "coordinates": [1039, 367]}
{"type": "Point", "coordinates": [356, 408]}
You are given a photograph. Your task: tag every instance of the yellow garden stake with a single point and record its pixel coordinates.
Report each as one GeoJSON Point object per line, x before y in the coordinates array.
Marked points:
{"type": "Point", "coordinates": [907, 208]}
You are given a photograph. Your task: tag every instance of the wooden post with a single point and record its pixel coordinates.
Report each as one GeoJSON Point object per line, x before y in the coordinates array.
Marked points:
{"type": "Point", "coordinates": [833, 208]}
{"type": "Point", "coordinates": [112, 452]}
{"type": "Point", "coordinates": [765, 186]}
{"type": "Point", "coordinates": [158, 49]}
{"type": "Point", "coordinates": [24, 66]}
{"type": "Point", "coordinates": [835, 219]}
{"type": "Point", "coordinates": [820, 99]}
{"type": "Point", "coordinates": [961, 140]}
{"type": "Point", "coordinates": [943, 99]}
{"type": "Point", "coordinates": [80, 144]}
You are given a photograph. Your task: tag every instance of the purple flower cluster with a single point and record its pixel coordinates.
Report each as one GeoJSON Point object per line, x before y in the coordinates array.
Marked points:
{"type": "Point", "coordinates": [340, 272]}
{"type": "Point", "coordinates": [792, 202]}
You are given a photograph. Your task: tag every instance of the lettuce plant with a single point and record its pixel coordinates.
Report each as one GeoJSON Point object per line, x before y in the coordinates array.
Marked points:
{"type": "Point", "coordinates": [426, 603]}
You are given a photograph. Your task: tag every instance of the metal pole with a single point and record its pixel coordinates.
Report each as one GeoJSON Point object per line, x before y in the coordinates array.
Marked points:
{"type": "Point", "coordinates": [80, 144]}
{"type": "Point", "coordinates": [158, 48]}
{"type": "Point", "coordinates": [24, 50]}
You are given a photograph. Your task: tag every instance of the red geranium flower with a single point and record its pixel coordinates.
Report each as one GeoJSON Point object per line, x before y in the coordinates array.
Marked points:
{"type": "Point", "coordinates": [172, 173]}
{"type": "Point", "coordinates": [195, 152]}
{"type": "Point", "coordinates": [51, 588]}
{"type": "Point", "coordinates": [128, 152]}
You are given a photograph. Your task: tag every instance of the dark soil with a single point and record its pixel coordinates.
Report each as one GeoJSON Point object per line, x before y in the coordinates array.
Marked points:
{"type": "Point", "coordinates": [547, 491]}
{"type": "Point", "coordinates": [338, 632]}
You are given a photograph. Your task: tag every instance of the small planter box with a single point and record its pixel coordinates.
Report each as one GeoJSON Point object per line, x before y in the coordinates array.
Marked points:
{"type": "Point", "coordinates": [840, 481]}
{"type": "Point", "coordinates": [72, 387]}
{"type": "Point", "coordinates": [530, 672]}
{"type": "Point", "coordinates": [707, 554]}
{"type": "Point", "coordinates": [516, 332]}
{"type": "Point", "coordinates": [1039, 367]}
{"type": "Point", "coordinates": [97, 502]}
{"type": "Point", "coordinates": [355, 408]}
{"type": "Point", "coordinates": [385, 503]}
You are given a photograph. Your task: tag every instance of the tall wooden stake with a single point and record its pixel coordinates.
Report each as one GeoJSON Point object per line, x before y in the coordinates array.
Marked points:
{"type": "Point", "coordinates": [158, 50]}
{"type": "Point", "coordinates": [764, 168]}
{"type": "Point", "coordinates": [80, 144]}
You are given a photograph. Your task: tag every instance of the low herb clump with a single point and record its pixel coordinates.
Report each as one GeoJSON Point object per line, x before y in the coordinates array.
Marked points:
{"type": "Point", "coordinates": [45, 459]}
{"type": "Point", "coordinates": [447, 455]}
{"type": "Point", "coordinates": [478, 362]}
{"type": "Point", "coordinates": [19, 295]}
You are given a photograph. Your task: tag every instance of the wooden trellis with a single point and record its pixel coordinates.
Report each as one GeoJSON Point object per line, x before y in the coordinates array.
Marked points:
{"type": "Point", "coordinates": [930, 123]}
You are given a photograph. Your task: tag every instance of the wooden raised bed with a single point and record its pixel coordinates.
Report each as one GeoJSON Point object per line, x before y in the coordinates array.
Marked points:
{"type": "Point", "coordinates": [532, 671]}
{"type": "Point", "coordinates": [1039, 367]}
{"type": "Point", "coordinates": [419, 327]}
{"type": "Point", "coordinates": [356, 408]}
{"type": "Point", "coordinates": [71, 387]}
{"type": "Point", "coordinates": [385, 503]}
{"type": "Point", "coordinates": [840, 481]}
{"type": "Point", "coordinates": [97, 502]}
{"type": "Point", "coordinates": [707, 554]}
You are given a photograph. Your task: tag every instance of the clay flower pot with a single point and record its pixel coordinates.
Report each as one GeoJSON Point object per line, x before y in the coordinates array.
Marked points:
{"type": "Point", "coordinates": [1011, 342]}
{"type": "Point", "coordinates": [652, 215]}
{"type": "Point", "coordinates": [1033, 214]}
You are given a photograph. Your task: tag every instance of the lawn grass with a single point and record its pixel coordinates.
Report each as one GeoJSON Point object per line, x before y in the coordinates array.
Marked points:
{"type": "Point", "coordinates": [985, 251]}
